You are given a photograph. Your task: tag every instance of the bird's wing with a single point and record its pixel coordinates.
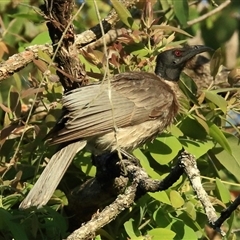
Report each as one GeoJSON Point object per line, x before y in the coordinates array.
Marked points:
{"type": "Point", "coordinates": [132, 98]}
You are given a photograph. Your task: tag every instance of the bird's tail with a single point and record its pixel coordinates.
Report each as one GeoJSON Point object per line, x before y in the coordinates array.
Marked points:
{"type": "Point", "coordinates": [45, 186]}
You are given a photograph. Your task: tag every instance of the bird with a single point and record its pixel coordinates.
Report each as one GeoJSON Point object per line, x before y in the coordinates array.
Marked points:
{"type": "Point", "coordinates": [121, 113]}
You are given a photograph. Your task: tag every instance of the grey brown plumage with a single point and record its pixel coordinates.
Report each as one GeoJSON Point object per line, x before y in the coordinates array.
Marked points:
{"type": "Point", "coordinates": [136, 98]}
{"type": "Point", "coordinates": [132, 110]}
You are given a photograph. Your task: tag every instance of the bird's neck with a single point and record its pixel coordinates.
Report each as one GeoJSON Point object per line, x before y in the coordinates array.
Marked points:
{"type": "Point", "coordinates": [174, 87]}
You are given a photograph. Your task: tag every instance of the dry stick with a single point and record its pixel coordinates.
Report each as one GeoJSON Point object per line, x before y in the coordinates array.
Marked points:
{"type": "Point", "coordinates": [108, 214]}
{"type": "Point", "coordinates": [20, 60]}
{"type": "Point", "coordinates": [109, 37]}
{"type": "Point", "coordinates": [190, 167]}
{"type": "Point", "coordinates": [206, 15]}
{"type": "Point", "coordinates": [107, 23]}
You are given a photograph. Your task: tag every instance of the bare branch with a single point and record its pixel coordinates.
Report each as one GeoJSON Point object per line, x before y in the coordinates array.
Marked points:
{"type": "Point", "coordinates": [20, 60]}
{"type": "Point", "coordinates": [95, 32]}
{"type": "Point", "coordinates": [108, 214]}
{"type": "Point", "coordinates": [190, 167]}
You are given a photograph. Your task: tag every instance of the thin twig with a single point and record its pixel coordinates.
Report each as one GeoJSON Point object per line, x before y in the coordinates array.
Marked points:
{"type": "Point", "coordinates": [225, 214]}
{"type": "Point", "coordinates": [206, 15]}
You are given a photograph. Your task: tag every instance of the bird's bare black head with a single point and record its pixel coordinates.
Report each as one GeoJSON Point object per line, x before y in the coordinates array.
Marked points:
{"type": "Point", "coordinates": [170, 63]}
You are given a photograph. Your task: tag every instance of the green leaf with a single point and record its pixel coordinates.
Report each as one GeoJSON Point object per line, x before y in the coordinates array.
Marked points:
{"type": "Point", "coordinates": [89, 66]}
{"type": "Point", "coordinates": [162, 218]}
{"type": "Point", "coordinates": [192, 128]}
{"type": "Point", "coordinates": [58, 198]}
{"type": "Point", "coordinates": [161, 233]}
{"type": "Point", "coordinates": [217, 100]}
{"type": "Point", "coordinates": [26, 16]}
{"type": "Point", "coordinates": [164, 148]}
{"type": "Point", "coordinates": [224, 90]}
{"type": "Point", "coordinates": [197, 148]}
{"type": "Point", "coordinates": [131, 230]}
{"type": "Point", "coordinates": [41, 38]}
{"type": "Point", "coordinates": [190, 210]}
{"type": "Point", "coordinates": [186, 231]}
{"type": "Point", "coordinates": [188, 87]}
{"type": "Point", "coordinates": [161, 197]}
{"type": "Point", "coordinates": [124, 15]}
{"type": "Point", "coordinates": [189, 233]}
{"type": "Point", "coordinates": [137, 49]}
{"type": "Point", "coordinates": [202, 122]}
{"type": "Point", "coordinates": [175, 131]}
{"type": "Point", "coordinates": [216, 61]}
{"type": "Point", "coordinates": [10, 200]}
{"type": "Point", "coordinates": [181, 11]}
{"type": "Point", "coordinates": [83, 161]}
{"type": "Point", "coordinates": [219, 137]}
{"type": "Point", "coordinates": [7, 224]}
{"type": "Point", "coordinates": [176, 199]}
{"type": "Point", "coordinates": [145, 163]}
{"type": "Point", "coordinates": [171, 28]}
{"type": "Point", "coordinates": [167, 9]}
{"type": "Point", "coordinates": [229, 161]}
{"type": "Point", "coordinates": [222, 191]}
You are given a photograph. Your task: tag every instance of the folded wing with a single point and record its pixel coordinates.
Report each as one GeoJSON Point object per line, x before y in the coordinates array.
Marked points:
{"type": "Point", "coordinates": [131, 99]}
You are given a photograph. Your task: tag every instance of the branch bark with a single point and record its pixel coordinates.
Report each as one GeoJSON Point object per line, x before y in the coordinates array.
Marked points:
{"type": "Point", "coordinates": [61, 31]}
{"type": "Point", "coordinates": [190, 167]}
{"type": "Point", "coordinates": [99, 220]}
{"type": "Point", "coordinates": [18, 61]}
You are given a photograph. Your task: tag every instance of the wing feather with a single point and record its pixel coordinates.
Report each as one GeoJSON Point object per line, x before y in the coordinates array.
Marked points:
{"type": "Point", "coordinates": [135, 97]}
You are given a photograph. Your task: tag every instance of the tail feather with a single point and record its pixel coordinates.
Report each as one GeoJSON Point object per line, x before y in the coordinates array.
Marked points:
{"type": "Point", "coordinates": [45, 186]}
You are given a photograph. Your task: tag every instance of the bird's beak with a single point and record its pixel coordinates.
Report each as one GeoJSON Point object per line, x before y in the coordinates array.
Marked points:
{"type": "Point", "coordinates": [191, 51]}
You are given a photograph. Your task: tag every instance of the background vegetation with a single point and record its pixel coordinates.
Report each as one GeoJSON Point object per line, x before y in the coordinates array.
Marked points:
{"type": "Point", "coordinates": [206, 126]}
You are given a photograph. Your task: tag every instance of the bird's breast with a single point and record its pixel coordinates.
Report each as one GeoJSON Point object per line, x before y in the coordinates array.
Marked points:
{"type": "Point", "coordinates": [129, 138]}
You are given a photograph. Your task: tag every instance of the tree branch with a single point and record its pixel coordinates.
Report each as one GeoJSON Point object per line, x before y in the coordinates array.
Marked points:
{"type": "Point", "coordinates": [97, 192]}
{"type": "Point", "coordinates": [108, 214]}
{"type": "Point", "coordinates": [18, 61]}
{"type": "Point", "coordinates": [225, 214]}
{"type": "Point", "coordinates": [206, 15]}
{"type": "Point", "coordinates": [190, 167]}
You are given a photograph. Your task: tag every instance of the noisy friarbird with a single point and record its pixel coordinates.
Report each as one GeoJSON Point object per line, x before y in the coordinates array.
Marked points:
{"type": "Point", "coordinates": [133, 109]}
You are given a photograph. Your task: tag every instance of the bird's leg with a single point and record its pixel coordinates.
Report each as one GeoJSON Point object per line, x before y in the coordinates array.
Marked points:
{"type": "Point", "coordinates": [106, 165]}
{"type": "Point", "coordinates": [130, 157]}
{"type": "Point", "coordinates": [109, 163]}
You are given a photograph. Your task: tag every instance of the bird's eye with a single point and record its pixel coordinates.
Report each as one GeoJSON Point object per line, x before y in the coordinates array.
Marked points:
{"type": "Point", "coordinates": [177, 53]}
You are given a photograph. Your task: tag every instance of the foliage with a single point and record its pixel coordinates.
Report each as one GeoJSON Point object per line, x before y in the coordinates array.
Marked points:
{"type": "Point", "coordinates": [31, 104]}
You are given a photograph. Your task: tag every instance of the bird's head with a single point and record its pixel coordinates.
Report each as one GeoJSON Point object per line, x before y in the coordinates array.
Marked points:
{"type": "Point", "coordinates": [170, 63]}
